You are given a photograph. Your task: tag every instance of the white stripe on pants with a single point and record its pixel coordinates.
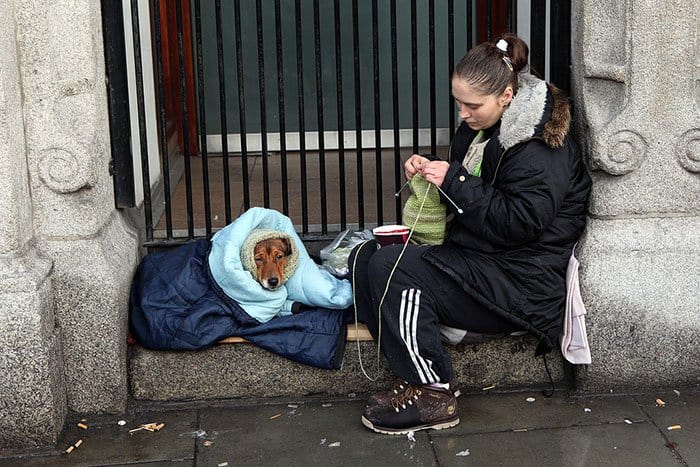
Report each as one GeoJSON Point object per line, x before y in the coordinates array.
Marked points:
{"type": "Point", "coordinates": [408, 324]}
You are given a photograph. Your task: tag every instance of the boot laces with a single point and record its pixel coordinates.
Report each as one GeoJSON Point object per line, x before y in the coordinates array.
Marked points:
{"type": "Point", "coordinates": [406, 398]}
{"type": "Point", "coordinates": [400, 386]}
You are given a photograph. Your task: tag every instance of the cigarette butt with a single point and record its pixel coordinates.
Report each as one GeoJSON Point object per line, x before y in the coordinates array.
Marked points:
{"type": "Point", "coordinates": [488, 387]}
{"type": "Point", "coordinates": [674, 427]}
{"type": "Point", "coordinates": [82, 425]}
{"type": "Point", "coordinates": [660, 403]}
{"type": "Point", "coordinates": [70, 449]}
{"type": "Point", "coordinates": [78, 443]}
{"type": "Point", "coordinates": [275, 416]}
{"type": "Point", "coordinates": [159, 426]}
{"type": "Point", "coordinates": [519, 430]}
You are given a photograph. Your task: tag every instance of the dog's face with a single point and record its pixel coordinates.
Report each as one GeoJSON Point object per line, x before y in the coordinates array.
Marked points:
{"type": "Point", "coordinates": [270, 259]}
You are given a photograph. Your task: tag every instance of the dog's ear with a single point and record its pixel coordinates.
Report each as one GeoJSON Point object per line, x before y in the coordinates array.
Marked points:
{"type": "Point", "coordinates": [287, 246]}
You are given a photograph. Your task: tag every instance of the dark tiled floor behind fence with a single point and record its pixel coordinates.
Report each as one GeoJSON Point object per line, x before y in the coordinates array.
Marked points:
{"type": "Point", "coordinates": [334, 181]}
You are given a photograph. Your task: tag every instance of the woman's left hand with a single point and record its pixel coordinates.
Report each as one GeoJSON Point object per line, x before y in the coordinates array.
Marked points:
{"type": "Point", "coordinates": [435, 171]}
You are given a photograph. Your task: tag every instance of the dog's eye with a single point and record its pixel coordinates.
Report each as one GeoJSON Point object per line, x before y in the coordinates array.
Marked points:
{"type": "Point", "coordinates": [279, 256]}
{"type": "Point", "coordinates": [258, 259]}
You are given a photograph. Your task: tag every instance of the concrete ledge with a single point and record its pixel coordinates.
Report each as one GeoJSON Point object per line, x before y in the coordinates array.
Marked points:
{"type": "Point", "coordinates": [243, 370]}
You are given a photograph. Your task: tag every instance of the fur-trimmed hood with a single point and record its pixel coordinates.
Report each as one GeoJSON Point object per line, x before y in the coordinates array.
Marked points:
{"type": "Point", "coordinates": [535, 112]}
{"type": "Point", "coordinates": [258, 235]}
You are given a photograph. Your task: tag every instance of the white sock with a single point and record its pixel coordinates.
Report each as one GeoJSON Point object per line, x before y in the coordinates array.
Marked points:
{"type": "Point", "coordinates": [440, 385]}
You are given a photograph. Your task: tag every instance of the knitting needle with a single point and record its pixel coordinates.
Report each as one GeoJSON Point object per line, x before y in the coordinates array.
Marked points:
{"type": "Point", "coordinates": [459, 210]}
{"type": "Point", "coordinates": [402, 187]}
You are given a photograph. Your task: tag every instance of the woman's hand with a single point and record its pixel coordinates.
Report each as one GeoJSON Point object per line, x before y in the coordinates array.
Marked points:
{"type": "Point", "coordinates": [435, 171]}
{"type": "Point", "coordinates": [414, 165]}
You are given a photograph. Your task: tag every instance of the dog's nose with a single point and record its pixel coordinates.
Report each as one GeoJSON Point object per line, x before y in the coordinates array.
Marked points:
{"type": "Point", "coordinates": [273, 281]}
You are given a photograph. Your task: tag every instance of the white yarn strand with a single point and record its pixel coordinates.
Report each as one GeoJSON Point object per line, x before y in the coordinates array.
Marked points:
{"type": "Point", "coordinates": [386, 290]}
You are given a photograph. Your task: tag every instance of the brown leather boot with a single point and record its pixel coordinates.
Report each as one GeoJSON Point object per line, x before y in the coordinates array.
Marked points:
{"type": "Point", "coordinates": [417, 408]}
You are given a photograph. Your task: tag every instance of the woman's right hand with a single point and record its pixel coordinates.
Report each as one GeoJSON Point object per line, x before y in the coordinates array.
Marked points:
{"type": "Point", "coordinates": [413, 165]}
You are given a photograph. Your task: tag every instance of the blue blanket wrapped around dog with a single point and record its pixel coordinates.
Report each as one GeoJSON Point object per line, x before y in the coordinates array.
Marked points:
{"type": "Point", "coordinates": [308, 284]}
{"type": "Point", "coordinates": [175, 304]}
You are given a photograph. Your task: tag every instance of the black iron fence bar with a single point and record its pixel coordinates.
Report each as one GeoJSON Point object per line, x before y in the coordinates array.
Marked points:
{"type": "Point", "coordinates": [560, 40]}
{"type": "Point", "coordinates": [302, 126]}
{"type": "Point", "coordinates": [358, 115]}
{"type": "Point", "coordinates": [468, 26]}
{"type": "Point", "coordinates": [395, 110]}
{"type": "Point", "coordinates": [263, 106]}
{"type": "Point", "coordinates": [510, 21]}
{"type": "Point", "coordinates": [280, 103]}
{"type": "Point", "coordinates": [414, 75]}
{"type": "Point", "coordinates": [319, 119]}
{"type": "Point", "coordinates": [450, 61]}
{"type": "Point", "coordinates": [185, 126]}
{"type": "Point", "coordinates": [241, 104]}
{"type": "Point", "coordinates": [222, 111]}
{"type": "Point", "coordinates": [138, 71]}
{"type": "Point", "coordinates": [538, 20]}
{"type": "Point", "coordinates": [431, 53]}
{"type": "Point", "coordinates": [489, 16]}
{"type": "Point", "coordinates": [162, 121]}
{"type": "Point", "coordinates": [121, 165]}
{"type": "Point", "coordinates": [202, 117]}
{"type": "Point", "coordinates": [377, 115]}
{"type": "Point", "coordinates": [341, 126]}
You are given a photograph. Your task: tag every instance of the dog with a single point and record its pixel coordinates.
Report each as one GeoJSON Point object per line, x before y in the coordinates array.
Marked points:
{"type": "Point", "coordinates": [270, 259]}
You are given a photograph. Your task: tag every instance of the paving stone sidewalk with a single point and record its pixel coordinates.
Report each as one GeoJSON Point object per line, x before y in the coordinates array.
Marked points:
{"type": "Point", "coordinates": [499, 429]}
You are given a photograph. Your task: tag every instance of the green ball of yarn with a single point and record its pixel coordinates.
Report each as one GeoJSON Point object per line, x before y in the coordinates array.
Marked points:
{"type": "Point", "coordinates": [430, 224]}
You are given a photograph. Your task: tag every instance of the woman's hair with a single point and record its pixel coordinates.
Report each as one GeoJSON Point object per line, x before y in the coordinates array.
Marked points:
{"type": "Point", "coordinates": [491, 70]}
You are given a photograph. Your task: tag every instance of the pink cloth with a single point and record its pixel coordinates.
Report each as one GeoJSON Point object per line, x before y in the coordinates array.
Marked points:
{"type": "Point", "coordinates": [574, 341]}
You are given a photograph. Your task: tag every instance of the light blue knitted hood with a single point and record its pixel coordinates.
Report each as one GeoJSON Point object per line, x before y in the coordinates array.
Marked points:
{"type": "Point", "coordinates": [308, 284]}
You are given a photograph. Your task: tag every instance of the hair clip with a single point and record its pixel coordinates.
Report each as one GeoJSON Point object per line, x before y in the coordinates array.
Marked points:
{"type": "Point", "coordinates": [502, 45]}
{"type": "Point", "coordinates": [508, 63]}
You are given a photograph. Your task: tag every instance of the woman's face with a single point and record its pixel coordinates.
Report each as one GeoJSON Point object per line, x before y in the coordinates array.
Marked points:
{"type": "Point", "coordinates": [479, 111]}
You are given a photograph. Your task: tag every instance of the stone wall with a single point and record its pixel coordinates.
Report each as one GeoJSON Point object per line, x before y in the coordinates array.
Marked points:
{"type": "Point", "coordinates": [66, 254]}
{"type": "Point", "coordinates": [60, 47]}
{"type": "Point", "coordinates": [636, 72]}
{"type": "Point", "coordinates": [32, 387]}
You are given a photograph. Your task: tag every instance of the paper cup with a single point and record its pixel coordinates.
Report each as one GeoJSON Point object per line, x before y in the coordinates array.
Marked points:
{"type": "Point", "coordinates": [391, 234]}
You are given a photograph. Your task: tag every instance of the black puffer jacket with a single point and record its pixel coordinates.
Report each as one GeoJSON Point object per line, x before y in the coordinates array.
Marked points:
{"type": "Point", "coordinates": [522, 216]}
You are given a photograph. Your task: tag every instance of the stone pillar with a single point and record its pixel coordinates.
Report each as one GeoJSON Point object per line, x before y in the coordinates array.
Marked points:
{"type": "Point", "coordinates": [94, 252]}
{"type": "Point", "coordinates": [32, 389]}
{"type": "Point", "coordinates": [636, 71]}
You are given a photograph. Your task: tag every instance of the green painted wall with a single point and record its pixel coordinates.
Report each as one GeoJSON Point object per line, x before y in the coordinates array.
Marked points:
{"type": "Point", "coordinates": [328, 64]}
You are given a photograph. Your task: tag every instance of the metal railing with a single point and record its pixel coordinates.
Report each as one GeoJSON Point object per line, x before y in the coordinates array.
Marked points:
{"type": "Point", "coordinates": [347, 134]}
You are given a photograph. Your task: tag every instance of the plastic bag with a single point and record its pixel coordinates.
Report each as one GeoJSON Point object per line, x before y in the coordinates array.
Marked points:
{"type": "Point", "coordinates": [334, 256]}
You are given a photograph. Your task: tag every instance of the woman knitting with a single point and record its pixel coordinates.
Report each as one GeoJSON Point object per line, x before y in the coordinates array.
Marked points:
{"type": "Point", "coordinates": [515, 190]}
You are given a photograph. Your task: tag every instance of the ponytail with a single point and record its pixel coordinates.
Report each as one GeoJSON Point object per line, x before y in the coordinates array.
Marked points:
{"type": "Point", "coordinates": [493, 66]}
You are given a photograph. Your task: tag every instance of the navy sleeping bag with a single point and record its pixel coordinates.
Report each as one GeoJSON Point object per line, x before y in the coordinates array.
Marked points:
{"type": "Point", "coordinates": [175, 304]}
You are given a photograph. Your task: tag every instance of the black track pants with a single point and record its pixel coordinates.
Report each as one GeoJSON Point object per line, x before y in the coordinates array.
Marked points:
{"type": "Point", "coordinates": [419, 297]}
